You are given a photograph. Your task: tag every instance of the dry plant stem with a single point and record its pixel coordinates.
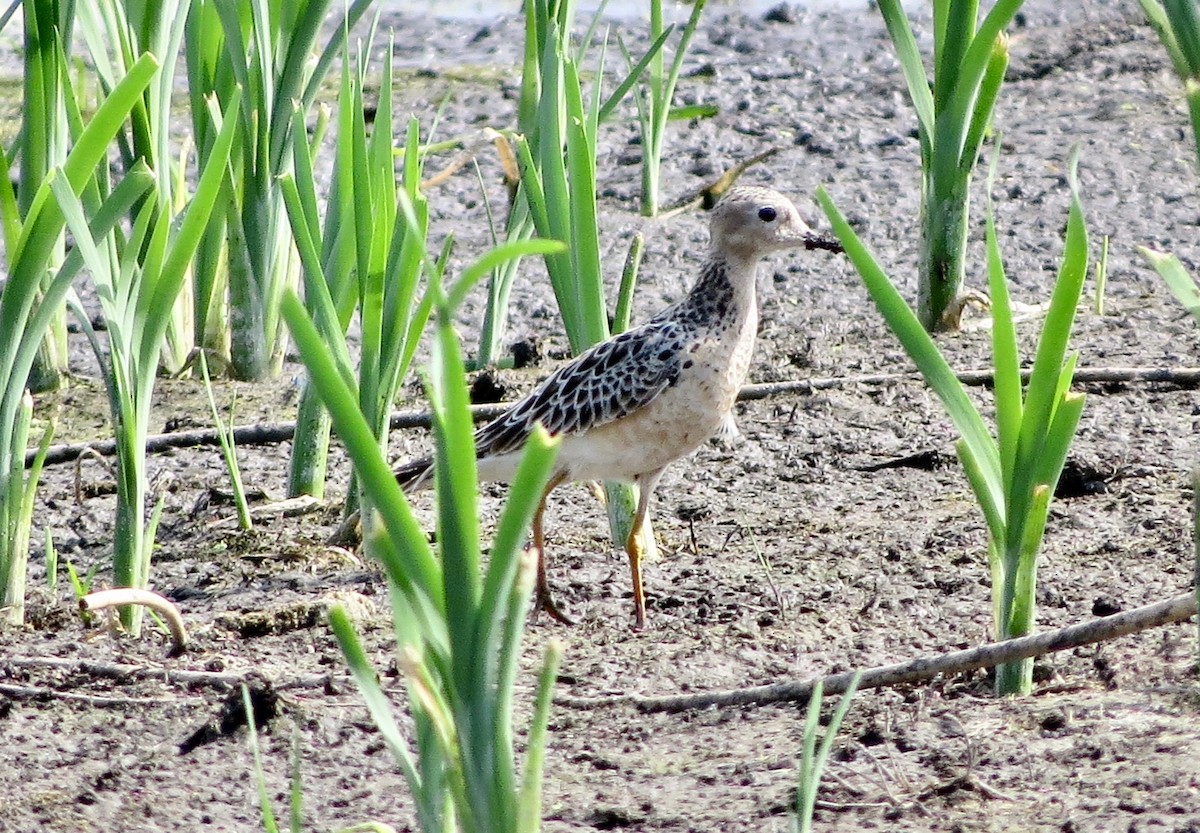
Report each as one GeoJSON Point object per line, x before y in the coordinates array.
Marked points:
{"type": "Point", "coordinates": [23, 692]}
{"type": "Point", "coordinates": [1098, 630]}
{"type": "Point", "coordinates": [277, 432]}
{"type": "Point", "coordinates": [123, 596]}
{"type": "Point", "coordinates": [710, 194]}
{"type": "Point", "coordinates": [919, 670]}
{"type": "Point", "coordinates": [223, 680]}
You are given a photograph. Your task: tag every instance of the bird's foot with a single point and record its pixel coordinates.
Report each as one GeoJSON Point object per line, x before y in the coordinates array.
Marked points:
{"type": "Point", "coordinates": [348, 534]}
{"type": "Point", "coordinates": [544, 601]}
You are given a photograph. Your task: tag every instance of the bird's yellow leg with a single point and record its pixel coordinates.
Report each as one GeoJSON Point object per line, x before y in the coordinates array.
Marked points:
{"type": "Point", "coordinates": [544, 599]}
{"type": "Point", "coordinates": [635, 548]}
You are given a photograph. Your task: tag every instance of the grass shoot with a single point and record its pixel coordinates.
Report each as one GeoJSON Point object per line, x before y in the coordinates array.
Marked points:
{"type": "Point", "coordinates": [812, 759]}
{"type": "Point", "coordinates": [1014, 473]}
{"type": "Point", "coordinates": [954, 113]}
{"type": "Point", "coordinates": [29, 304]}
{"type": "Point", "coordinates": [228, 447]}
{"type": "Point", "coordinates": [137, 279]}
{"type": "Point", "coordinates": [654, 96]}
{"type": "Point", "coordinates": [458, 624]}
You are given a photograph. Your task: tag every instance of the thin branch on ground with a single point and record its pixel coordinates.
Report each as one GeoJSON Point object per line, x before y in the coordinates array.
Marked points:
{"type": "Point", "coordinates": [24, 692]}
{"type": "Point", "coordinates": [906, 673]}
{"type": "Point", "coordinates": [914, 671]}
{"type": "Point", "coordinates": [172, 676]}
{"type": "Point", "coordinates": [273, 433]}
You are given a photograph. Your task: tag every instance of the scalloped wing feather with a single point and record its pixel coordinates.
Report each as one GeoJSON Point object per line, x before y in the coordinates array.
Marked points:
{"type": "Point", "coordinates": [608, 382]}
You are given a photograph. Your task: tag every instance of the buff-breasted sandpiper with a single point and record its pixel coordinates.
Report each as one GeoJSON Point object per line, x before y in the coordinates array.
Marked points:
{"type": "Point", "coordinates": [632, 405]}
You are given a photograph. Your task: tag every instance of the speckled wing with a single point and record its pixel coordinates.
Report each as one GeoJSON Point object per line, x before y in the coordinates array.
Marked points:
{"type": "Point", "coordinates": [610, 381]}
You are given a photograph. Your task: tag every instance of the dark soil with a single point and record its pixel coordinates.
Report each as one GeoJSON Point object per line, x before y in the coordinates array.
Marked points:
{"type": "Point", "coordinates": [790, 554]}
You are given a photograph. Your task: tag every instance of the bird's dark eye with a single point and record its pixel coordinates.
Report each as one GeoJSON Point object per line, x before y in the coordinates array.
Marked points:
{"type": "Point", "coordinates": [767, 214]}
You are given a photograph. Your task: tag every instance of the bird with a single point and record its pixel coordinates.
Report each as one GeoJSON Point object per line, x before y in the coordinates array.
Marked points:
{"type": "Point", "coordinates": [628, 407]}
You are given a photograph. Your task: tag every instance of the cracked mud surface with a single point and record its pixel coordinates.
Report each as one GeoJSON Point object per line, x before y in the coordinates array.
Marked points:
{"type": "Point", "coordinates": [788, 555]}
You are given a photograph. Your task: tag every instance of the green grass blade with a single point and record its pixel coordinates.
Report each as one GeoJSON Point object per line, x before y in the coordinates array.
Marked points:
{"type": "Point", "coordinates": [1177, 279]}
{"type": "Point", "coordinates": [1018, 614]}
{"type": "Point", "coordinates": [633, 260]}
{"type": "Point", "coordinates": [9, 213]}
{"type": "Point", "coordinates": [584, 241]}
{"type": "Point", "coordinates": [496, 257]}
{"type": "Point", "coordinates": [1059, 437]}
{"type": "Point", "coordinates": [270, 825]}
{"type": "Point", "coordinates": [504, 603]}
{"type": "Point", "coordinates": [454, 473]}
{"type": "Point", "coordinates": [416, 571]}
{"type": "Point", "coordinates": [1040, 400]}
{"type": "Point", "coordinates": [1185, 24]}
{"type": "Point", "coordinates": [377, 702]}
{"type": "Point", "coordinates": [1156, 16]}
{"type": "Point", "coordinates": [1006, 359]}
{"type": "Point", "coordinates": [896, 20]}
{"type": "Point", "coordinates": [635, 73]}
{"type": "Point", "coordinates": [330, 52]}
{"type": "Point", "coordinates": [989, 494]}
{"type": "Point", "coordinates": [155, 306]}
{"type": "Point", "coordinates": [919, 345]}
{"type": "Point", "coordinates": [954, 31]}
{"type": "Point", "coordinates": [806, 794]}
{"type": "Point", "coordinates": [530, 798]}
{"type": "Point", "coordinates": [976, 62]}
{"type": "Point", "coordinates": [831, 731]}
{"type": "Point", "coordinates": [316, 287]}
{"type": "Point", "coordinates": [985, 104]}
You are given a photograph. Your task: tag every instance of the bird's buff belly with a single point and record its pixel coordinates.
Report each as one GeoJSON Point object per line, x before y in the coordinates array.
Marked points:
{"type": "Point", "coordinates": [674, 425]}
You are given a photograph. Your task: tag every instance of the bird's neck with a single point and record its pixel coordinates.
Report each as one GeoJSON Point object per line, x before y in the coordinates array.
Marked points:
{"type": "Point", "coordinates": [725, 289]}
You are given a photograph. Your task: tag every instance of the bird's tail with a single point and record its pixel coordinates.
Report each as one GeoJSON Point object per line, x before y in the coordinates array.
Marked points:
{"type": "Point", "coordinates": [415, 475]}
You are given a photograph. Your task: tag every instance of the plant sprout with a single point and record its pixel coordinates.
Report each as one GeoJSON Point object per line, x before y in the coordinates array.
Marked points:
{"type": "Point", "coordinates": [953, 116]}
{"type": "Point", "coordinates": [812, 760]}
{"type": "Point", "coordinates": [458, 625]}
{"type": "Point", "coordinates": [543, 109]}
{"type": "Point", "coordinates": [1013, 474]}
{"type": "Point", "coordinates": [366, 257]}
{"type": "Point", "coordinates": [654, 97]}
{"type": "Point", "coordinates": [137, 279]}
{"type": "Point", "coordinates": [225, 436]}
{"type": "Point", "coordinates": [28, 306]}
{"type": "Point", "coordinates": [1177, 23]}
{"type": "Point", "coordinates": [266, 50]}
{"type": "Point", "coordinates": [116, 32]}
{"type": "Point", "coordinates": [42, 145]}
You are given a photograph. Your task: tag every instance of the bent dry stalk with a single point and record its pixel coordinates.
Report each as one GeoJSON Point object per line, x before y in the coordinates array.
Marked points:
{"type": "Point", "coordinates": [1013, 474]}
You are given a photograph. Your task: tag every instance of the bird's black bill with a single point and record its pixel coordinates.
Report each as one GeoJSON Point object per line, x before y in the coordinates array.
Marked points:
{"type": "Point", "coordinates": [817, 241]}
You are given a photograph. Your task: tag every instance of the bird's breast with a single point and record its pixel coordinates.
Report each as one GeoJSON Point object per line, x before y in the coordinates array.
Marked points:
{"type": "Point", "coordinates": [677, 421]}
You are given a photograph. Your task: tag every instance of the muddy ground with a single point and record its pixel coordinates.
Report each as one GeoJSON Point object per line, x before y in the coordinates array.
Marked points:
{"type": "Point", "coordinates": [788, 555]}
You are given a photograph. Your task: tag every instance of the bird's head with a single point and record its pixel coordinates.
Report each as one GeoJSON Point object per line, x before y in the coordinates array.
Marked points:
{"type": "Point", "coordinates": [750, 221]}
